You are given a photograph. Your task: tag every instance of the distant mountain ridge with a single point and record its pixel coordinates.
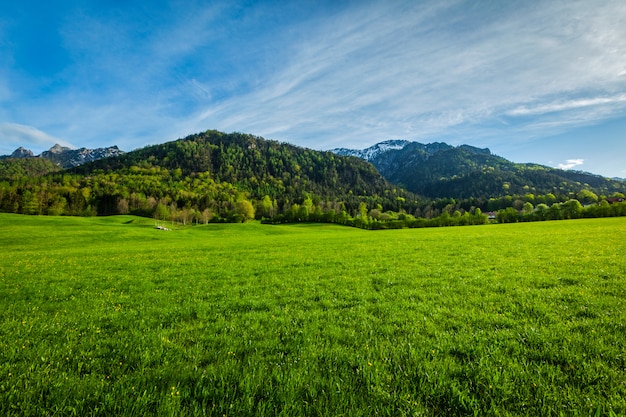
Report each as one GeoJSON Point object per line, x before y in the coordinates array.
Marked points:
{"type": "Point", "coordinates": [373, 151]}
{"type": "Point", "coordinates": [235, 176]}
{"type": "Point", "coordinates": [439, 170]}
{"type": "Point", "coordinates": [65, 157]}
{"type": "Point", "coordinates": [434, 170]}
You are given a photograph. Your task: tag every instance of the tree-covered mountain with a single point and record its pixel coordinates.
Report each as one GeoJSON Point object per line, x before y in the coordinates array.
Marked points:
{"type": "Point", "coordinates": [13, 169]}
{"type": "Point", "coordinates": [214, 176]}
{"type": "Point", "coordinates": [439, 170]}
{"type": "Point", "coordinates": [220, 175]}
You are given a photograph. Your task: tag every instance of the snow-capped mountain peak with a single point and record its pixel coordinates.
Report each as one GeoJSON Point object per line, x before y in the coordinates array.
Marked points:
{"type": "Point", "coordinates": [373, 151]}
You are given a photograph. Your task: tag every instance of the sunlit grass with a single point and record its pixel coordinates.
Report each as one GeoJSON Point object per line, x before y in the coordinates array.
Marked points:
{"type": "Point", "coordinates": [109, 316]}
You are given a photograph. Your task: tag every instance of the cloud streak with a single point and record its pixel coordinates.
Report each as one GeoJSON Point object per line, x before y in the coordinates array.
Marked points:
{"type": "Point", "coordinates": [401, 71]}
{"type": "Point", "coordinates": [568, 105]}
{"type": "Point", "coordinates": [15, 135]}
{"type": "Point", "coordinates": [571, 163]}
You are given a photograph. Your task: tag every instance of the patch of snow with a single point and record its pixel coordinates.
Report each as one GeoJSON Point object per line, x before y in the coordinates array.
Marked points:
{"type": "Point", "coordinates": [373, 151]}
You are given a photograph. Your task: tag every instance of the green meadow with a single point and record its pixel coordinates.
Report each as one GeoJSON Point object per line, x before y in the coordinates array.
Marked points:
{"type": "Point", "coordinates": [110, 316]}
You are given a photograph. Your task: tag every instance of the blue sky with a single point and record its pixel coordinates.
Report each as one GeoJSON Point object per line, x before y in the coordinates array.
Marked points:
{"type": "Point", "coordinates": [535, 81]}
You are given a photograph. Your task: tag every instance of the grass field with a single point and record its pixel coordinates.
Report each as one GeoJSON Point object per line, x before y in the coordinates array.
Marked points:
{"type": "Point", "coordinates": [109, 316]}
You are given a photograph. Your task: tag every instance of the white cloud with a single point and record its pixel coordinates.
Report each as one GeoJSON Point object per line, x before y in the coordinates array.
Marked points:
{"type": "Point", "coordinates": [566, 105]}
{"type": "Point", "coordinates": [14, 135]}
{"type": "Point", "coordinates": [571, 163]}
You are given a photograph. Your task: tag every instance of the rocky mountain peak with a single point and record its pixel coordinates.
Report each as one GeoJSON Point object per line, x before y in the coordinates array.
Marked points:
{"type": "Point", "coordinates": [66, 157]}
{"type": "Point", "coordinates": [22, 152]}
{"type": "Point", "coordinates": [373, 151]}
{"type": "Point", "coordinates": [57, 149]}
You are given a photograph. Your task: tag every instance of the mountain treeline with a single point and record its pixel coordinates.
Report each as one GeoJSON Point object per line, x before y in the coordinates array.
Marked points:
{"type": "Point", "coordinates": [438, 170]}
{"type": "Point", "coordinates": [210, 176]}
{"type": "Point", "coordinates": [214, 176]}
{"type": "Point", "coordinates": [21, 169]}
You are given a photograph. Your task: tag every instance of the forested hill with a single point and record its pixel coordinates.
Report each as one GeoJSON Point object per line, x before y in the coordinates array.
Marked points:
{"type": "Point", "coordinates": [221, 176]}
{"type": "Point", "coordinates": [438, 170]}
{"type": "Point", "coordinates": [259, 167]}
{"type": "Point", "coordinates": [13, 169]}
{"type": "Point", "coordinates": [214, 176]}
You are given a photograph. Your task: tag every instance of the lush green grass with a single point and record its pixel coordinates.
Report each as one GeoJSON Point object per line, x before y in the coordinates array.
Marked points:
{"type": "Point", "coordinates": [108, 316]}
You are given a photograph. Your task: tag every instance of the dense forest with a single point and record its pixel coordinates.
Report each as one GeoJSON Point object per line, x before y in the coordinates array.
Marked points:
{"type": "Point", "coordinates": [210, 176]}
{"type": "Point", "coordinates": [438, 170]}
{"type": "Point", "coordinates": [21, 169]}
{"type": "Point", "coordinates": [214, 177]}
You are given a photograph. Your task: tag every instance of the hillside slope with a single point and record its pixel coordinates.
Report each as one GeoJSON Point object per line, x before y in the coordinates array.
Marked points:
{"type": "Point", "coordinates": [214, 171]}
{"type": "Point", "coordinates": [258, 166]}
{"type": "Point", "coordinates": [20, 168]}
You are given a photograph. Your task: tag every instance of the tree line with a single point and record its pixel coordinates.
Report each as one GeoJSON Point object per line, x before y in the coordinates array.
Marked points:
{"type": "Point", "coordinates": [206, 177]}
{"type": "Point", "coordinates": [169, 196]}
{"type": "Point", "coordinates": [217, 177]}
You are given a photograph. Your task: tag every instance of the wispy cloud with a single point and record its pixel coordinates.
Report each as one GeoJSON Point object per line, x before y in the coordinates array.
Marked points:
{"type": "Point", "coordinates": [324, 74]}
{"type": "Point", "coordinates": [436, 71]}
{"type": "Point", "coordinates": [559, 106]}
{"type": "Point", "coordinates": [126, 83]}
{"type": "Point", "coordinates": [15, 135]}
{"type": "Point", "coordinates": [571, 163]}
